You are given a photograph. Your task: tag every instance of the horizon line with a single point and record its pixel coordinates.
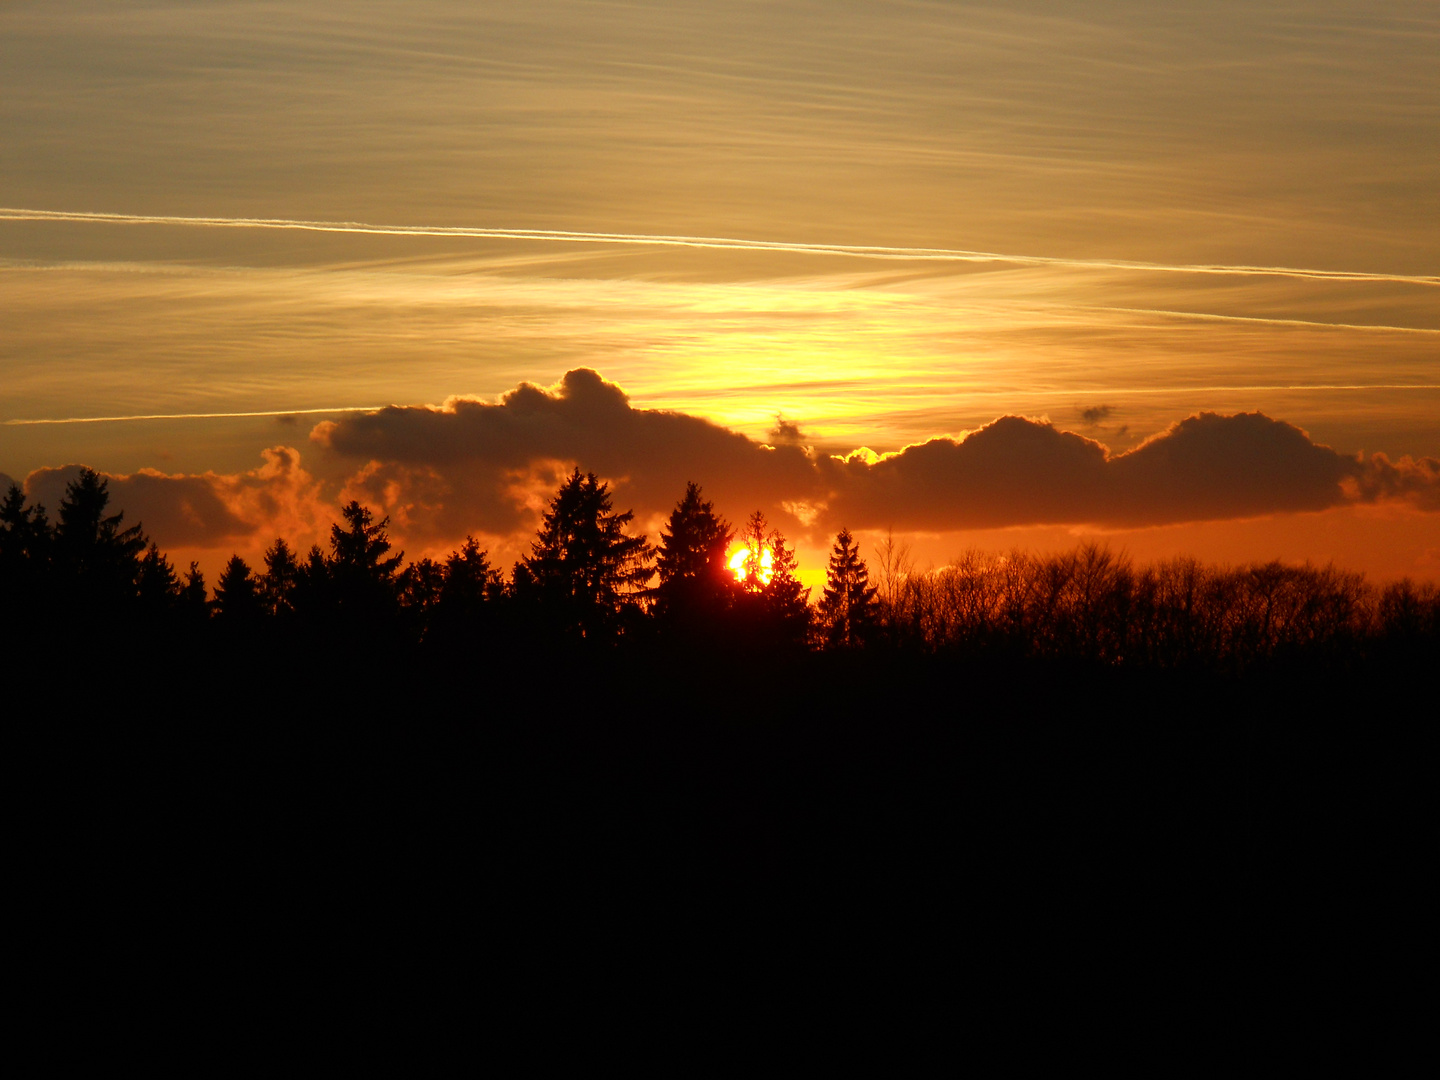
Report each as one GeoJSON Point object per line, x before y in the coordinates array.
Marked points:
{"type": "Point", "coordinates": [1074, 392]}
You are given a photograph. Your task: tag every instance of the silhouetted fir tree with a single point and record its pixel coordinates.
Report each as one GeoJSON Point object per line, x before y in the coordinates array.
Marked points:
{"type": "Point", "coordinates": [774, 604]}
{"type": "Point", "coordinates": [14, 518]}
{"type": "Point", "coordinates": [157, 584]}
{"type": "Point", "coordinates": [362, 573]}
{"type": "Point", "coordinates": [848, 609]}
{"type": "Point", "coordinates": [277, 585]}
{"type": "Point", "coordinates": [465, 611]}
{"type": "Point", "coordinates": [419, 586]}
{"type": "Point", "coordinates": [362, 545]}
{"type": "Point", "coordinates": [584, 574]}
{"type": "Point", "coordinates": [470, 580]}
{"type": "Point", "coordinates": [696, 586]}
{"type": "Point", "coordinates": [237, 594]}
{"type": "Point", "coordinates": [313, 593]}
{"type": "Point", "coordinates": [194, 605]}
{"type": "Point", "coordinates": [20, 526]}
{"type": "Point", "coordinates": [756, 538]}
{"type": "Point", "coordinates": [786, 600]}
{"type": "Point", "coordinates": [98, 559]}
{"type": "Point", "coordinates": [25, 543]}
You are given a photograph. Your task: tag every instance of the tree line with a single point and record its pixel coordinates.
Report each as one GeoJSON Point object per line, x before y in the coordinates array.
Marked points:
{"type": "Point", "coordinates": [588, 581]}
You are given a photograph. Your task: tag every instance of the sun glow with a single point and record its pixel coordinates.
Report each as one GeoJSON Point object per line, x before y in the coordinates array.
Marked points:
{"type": "Point", "coordinates": [741, 564]}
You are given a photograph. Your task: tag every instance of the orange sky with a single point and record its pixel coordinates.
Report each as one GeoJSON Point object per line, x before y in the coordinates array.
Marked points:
{"type": "Point", "coordinates": [1107, 217]}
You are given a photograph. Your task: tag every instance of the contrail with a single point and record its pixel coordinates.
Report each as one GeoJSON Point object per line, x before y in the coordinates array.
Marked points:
{"type": "Point", "coordinates": [859, 251]}
{"type": "Point", "coordinates": [1275, 387]}
{"type": "Point", "coordinates": [193, 415]}
{"type": "Point", "coordinates": [1307, 323]}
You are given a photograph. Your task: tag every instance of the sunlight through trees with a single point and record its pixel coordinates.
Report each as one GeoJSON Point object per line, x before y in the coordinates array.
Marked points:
{"type": "Point", "coordinates": [588, 581]}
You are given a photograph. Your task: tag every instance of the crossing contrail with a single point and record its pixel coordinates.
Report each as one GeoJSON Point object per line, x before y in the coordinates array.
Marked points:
{"type": "Point", "coordinates": [859, 251]}
{"type": "Point", "coordinates": [192, 415]}
{"type": "Point", "coordinates": [1268, 320]}
{"type": "Point", "coordinates": [1117, 391]}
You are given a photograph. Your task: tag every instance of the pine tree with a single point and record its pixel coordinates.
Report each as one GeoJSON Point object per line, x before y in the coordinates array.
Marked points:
{"type": "Point", "coordinates": [193, 605]}
{"type": "Point", "coordinates": [99, 559]}
{"type": "Point", "coordinates": [469, 594]}
{"type": "Point", "coordinates": [848, 609]}
{"type": "Point", "coordinates": [27, 600]}
{"type": "Point", "coordinates": [14, 520]}
{"type": "Point", "coordinates": [313, 595]}
{"type": "Point", "coordinates": [25, 541]}
{"type": "Point", "coordinates": [158, 586]}
{"type": "Point", "coordinates": [282, 575]}
{"type": "Point", "coordinates": [774, 600]}
{"type": "Point", "coordinates": [360, 547]}
{"type": "Point", "coordinates": [420, 585]}
{"type": "Point", "coordinates": [584, 572]}
{"type": "Point", "coordinates": [362, 575]}
{"type": "Point", "coordinates": [237, 593]}
{"type": "Point", "coordinates": [695, 583]}
{"type": "Point", "coordinates": [758, 566]}
{"type": "Point", "coordinates": [470, 580]}
{"type": "Point", "coordinates": [786, 600]}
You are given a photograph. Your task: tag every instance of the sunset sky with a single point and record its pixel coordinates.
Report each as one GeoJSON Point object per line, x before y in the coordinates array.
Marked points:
{"type": "Point", "coordinates": [1162, 275]}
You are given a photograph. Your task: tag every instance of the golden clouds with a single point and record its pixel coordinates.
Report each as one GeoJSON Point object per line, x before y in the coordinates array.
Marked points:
{"type": "Point", "coordinates": [451, 470]}
{"type": "Point", "coordinates": [860, 356]}
{"type": "Point", "coordinates": [206, 510]}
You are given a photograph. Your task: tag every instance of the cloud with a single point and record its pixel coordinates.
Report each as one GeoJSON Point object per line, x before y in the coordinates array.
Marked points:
{"type": "Point", "coordinates": [1010, 472]}
{"type": "Point", "coordinates": [1025, 472]}
{"type": "Point", "coordinates": [207, 509]}
{"type": "Point", "coordinates": [1210, 466]}
{"type": "Point", "coordinates": [785, 431]}
{"type": "Point", "coordinates": [477, 466]}
{"type": "Point", "coordinates": [1411, 480]}
{"type": "Point", "coordinates": [1095, 413]}
{"type": "Point", "coordinates": [5, 481]}
{"type": "Point", "coordinates": [489, 468]}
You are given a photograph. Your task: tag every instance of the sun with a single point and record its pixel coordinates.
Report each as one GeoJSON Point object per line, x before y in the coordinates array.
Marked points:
{"type": "Point", "coordinates": [740, 564]}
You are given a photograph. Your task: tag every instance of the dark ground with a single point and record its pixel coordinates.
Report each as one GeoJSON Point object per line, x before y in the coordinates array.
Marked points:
{"type": "Point", "coordinates": [683, 814]}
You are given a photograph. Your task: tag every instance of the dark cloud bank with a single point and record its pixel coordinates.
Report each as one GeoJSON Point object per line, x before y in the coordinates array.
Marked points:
{"type": "Point", "coordinates": [1011, 472]}
{"type": "Point", "coordinates": [480, 467]}
{"type": "Point", "coordinates": [205, 509]}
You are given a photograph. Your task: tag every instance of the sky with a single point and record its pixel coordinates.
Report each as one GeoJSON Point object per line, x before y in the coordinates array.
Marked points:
{"type": "Point", "coordinates": [1162, 276]}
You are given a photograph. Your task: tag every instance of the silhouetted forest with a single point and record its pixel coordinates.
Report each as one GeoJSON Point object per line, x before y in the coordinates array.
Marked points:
{"type": "Point", "coordinates": [616, 745]}
{"type": "Point", "coordinates": [589, 586]}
